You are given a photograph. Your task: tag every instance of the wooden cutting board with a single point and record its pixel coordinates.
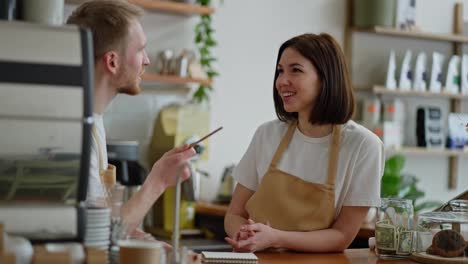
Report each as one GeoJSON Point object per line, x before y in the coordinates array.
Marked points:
{"type": "Point", "coordinates": [423, 257]}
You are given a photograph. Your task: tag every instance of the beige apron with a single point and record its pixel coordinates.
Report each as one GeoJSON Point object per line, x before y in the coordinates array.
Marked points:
{"type": "Point", "coordinates": [289, 203]}
{"type": "Point", "coordinates": [108, 176]}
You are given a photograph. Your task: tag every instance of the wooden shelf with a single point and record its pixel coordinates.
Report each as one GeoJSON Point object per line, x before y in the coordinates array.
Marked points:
{"type": "Point", "coordinates": [421, 151]}
{"type": "Point", "coordinates": [378, 89]}
{"type": "Point", "coordinates": [169, 79]}
{"type": "Point", "coordinates": [169, 7]}
{"type": "Point", "coordinates": [414, 34]}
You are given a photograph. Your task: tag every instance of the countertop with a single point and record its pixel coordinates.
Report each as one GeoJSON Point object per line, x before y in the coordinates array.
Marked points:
{"type": "Point", "coordinates": [350, 256]}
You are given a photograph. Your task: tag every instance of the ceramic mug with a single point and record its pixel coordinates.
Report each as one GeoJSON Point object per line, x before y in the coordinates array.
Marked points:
{"type": "Point", "coordinates": [141, 252]}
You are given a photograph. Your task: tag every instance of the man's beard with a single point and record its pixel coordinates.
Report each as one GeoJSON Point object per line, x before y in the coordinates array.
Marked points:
{"type": "Point", "coordinates": [131, 85]}
{"type": "Point", "coordinates": [131, 88]}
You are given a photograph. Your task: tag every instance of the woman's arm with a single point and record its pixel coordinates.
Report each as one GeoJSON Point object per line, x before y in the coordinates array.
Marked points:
{"type": "Point", "coordinates": [334, 239]}
{"type": "Point", "coordinates": [236, 215]}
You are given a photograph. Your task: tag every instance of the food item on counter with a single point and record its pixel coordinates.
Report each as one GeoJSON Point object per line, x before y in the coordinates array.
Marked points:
{"type": "Point", "coordinates": [447, 243]}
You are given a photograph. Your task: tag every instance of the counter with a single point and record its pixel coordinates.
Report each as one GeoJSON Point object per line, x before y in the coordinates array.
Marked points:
{"type": "Point", "coordinates": [350, 256]}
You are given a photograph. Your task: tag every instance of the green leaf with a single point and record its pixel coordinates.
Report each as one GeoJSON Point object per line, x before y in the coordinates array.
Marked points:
{"type": "Point", "coordinates": [394, 165]}
{"type": "Point", "coordinates": [206, 18]}
{"type": "Point", "coordinates": [203, 2]}
{"type": "Point", "coordinates": [389, 186]}
{"type": "Point", "coordinates": [198, 38]}
{"type": "Point", "coordinates": [212, 74]}
{"type": "Point", "coordinates": [198, 27]}
{"type": "Point", "coordinates": [210, 42]}
{"type": "Point", "coordinates": [204, 51]}
{"type": "Point", "coordinates": [208, 60]}
{"type": "Point", "coordinates": [200, 94]}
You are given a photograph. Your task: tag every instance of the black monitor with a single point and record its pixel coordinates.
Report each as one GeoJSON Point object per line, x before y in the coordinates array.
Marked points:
{"type": "Point", "coordinates": [46, 80]}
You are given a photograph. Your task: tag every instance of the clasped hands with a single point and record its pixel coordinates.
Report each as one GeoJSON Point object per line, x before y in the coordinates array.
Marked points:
{"type": "Point", "coordinates": [253, 237]}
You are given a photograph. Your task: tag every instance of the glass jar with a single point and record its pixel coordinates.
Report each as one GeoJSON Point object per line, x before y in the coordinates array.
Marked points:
{"type": "Point", "coordinates": [442, 234]}
{"type": "Point", "coordinates": [394, 228]}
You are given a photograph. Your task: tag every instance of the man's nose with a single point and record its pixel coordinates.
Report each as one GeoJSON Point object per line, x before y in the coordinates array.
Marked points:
{"type": "Point", "coordinates": [146, 60]}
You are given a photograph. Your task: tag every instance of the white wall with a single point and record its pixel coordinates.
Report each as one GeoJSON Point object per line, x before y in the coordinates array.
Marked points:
{"type": "Point", "coordinates": [249, 34]}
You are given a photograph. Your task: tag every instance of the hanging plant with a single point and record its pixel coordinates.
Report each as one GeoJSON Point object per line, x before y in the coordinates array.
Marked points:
{"type": "Point", "coordinates": [205, 42]}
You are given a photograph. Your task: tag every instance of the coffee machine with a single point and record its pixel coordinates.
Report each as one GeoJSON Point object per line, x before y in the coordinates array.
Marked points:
{"type": "Point", "coordinates": [124, 155]}
{"type": "Point", "coordinates": [174, 126]}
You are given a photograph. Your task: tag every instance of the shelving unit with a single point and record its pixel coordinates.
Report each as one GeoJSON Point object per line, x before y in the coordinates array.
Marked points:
{"type": "Point", "coordinates": [166, 7]}
{"type": "Point", "coordinates": [457, 41]}
{"type": "Point", "coordinates": [420, 151]}
{"type": "Point", "coordinates": [173, 79]}
{"type": "Point", "coordinates": [413, 34]}
{"type": "Point", "coordinates": [379, 89]}
{"type": "Point", "coordinates": [174, 8]}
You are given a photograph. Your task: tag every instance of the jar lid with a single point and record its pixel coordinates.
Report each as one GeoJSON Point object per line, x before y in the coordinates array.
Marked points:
{"type": "Point", "coordinates": [446, 217]}
{"type": "Point", "coordinates": [459, 205]}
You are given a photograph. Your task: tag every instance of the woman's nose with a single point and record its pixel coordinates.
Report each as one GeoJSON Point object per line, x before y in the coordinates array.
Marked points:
{"type": "Point", "coordinates": [282, 80]}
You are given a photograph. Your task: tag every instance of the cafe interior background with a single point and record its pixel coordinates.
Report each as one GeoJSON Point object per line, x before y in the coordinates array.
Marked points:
{"type": "Point", "coordinates": [248, 35]}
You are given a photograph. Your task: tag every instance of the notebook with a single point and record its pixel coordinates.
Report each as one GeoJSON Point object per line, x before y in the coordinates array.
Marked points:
{"type": "Point", "coordinates": [229, 257]}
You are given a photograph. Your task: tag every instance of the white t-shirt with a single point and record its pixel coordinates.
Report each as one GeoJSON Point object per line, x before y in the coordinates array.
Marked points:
{"type": "Point", "coordinates": [95, 186]}
{"type": "Point", "coordinates": [360, 164]}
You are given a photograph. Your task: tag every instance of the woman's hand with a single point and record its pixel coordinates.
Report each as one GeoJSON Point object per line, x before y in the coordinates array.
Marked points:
{"type": "Point", "coordinates": [254, 237]}
{"type": "Point", "coordinates": [164, 171]}
{"type": "Point", "coordinates": [240, 235]}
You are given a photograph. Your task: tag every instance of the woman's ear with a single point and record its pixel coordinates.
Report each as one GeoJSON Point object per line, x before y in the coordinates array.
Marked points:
{"type": "Point", "coordinates": [111, 61]}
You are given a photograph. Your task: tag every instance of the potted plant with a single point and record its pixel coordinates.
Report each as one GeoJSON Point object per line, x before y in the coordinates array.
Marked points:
{"type": "Point", "coordinates": [396, 184]}
{"type": "Point", "coordinates": [205, 42]}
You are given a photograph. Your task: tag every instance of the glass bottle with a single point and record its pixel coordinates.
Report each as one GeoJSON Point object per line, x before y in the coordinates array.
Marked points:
{"type": "Point", "coordinates": [394, 228]}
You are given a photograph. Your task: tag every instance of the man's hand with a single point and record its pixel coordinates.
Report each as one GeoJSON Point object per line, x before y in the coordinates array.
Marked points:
{"type": "Point", "coordinates": [165, 170]}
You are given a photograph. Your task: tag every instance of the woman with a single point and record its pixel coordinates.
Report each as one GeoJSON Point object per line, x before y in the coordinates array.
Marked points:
{"type": "Point", "coordinates": [308, 179]}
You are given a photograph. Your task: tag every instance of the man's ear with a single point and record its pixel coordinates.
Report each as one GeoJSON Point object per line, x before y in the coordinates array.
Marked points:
{"type": "Point", "coordinates": [111, 61]}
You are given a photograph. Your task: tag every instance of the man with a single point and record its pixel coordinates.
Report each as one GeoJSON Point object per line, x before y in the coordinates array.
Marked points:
{"type": "Point", "coordinates": [120, 60]}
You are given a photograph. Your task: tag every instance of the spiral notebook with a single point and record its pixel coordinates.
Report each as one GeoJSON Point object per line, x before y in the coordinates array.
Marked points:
{"type": "Point", "coordinates": [229, 257]}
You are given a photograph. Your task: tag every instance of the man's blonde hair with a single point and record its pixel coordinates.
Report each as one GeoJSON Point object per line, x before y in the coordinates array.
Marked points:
{"type": "Point", "coordinates": [108, 20]}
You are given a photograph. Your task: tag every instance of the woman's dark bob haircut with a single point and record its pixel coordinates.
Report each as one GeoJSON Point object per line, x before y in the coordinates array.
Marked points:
{"type": "Point", "coordinates": [335, 101]}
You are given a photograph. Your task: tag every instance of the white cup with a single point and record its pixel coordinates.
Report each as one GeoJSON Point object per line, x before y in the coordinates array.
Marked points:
{"type": "Point", "coordinates": [141, 252]}
{"type": "Point", "coordinates": [21, 247]}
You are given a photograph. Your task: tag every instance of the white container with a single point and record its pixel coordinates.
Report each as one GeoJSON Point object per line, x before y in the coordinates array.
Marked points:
{"type": "Point", "coordinates": [406, 76]}
{"type": "Point", "coordinates": [48, 12]}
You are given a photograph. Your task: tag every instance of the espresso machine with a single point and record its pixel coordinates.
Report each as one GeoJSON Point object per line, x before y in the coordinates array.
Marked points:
{"type": "Point", "coordinates": [174, 126]}
{"type": "Point", "coordinates": [124, 155]}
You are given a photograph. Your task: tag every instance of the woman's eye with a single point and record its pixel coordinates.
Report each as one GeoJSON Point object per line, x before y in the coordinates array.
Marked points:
{"type": "Point", "coordinates": [297, 70]}
{"type": "Point", "coordinates": [279, 71]}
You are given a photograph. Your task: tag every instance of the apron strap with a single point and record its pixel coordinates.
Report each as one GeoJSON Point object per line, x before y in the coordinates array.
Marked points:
{"type": "Point", "coordinates": [284, 143]}
{"type": "Point", "coordinates": [96, 139]}
{"type": "Point", "coordinates": [334, 154]}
